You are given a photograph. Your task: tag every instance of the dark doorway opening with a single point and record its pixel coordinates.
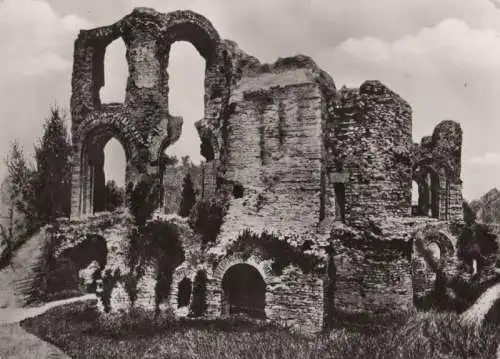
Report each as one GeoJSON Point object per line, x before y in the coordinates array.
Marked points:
{"type": "Point", "coordinates": [244, 291]}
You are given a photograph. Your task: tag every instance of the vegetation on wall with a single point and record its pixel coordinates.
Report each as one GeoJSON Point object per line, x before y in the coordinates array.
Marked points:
{"type": "Point", "coordinates": [207, 217]}
{"type": "Point", "coordinates": [199, 302]}
{"type": "Point", "coordinates": [188, 196]}
{"type": "Point", "coordinates": [114, 196]}
{"type": "Point", "coordinates": [143, 199]}
{"type": "Point", "coordinates": [269, 246]}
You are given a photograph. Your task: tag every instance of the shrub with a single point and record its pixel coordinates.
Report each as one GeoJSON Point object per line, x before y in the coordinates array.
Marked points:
{"type": "Point", "coordinates": [156, 243]}
{"type": "Point", "coordinates": [269, 246]}
{"type": "Point", "coordinates": [109, 281]}
{"type": "Point", "coordinates": [188, 196]}
{"type": "Point", "coordinates": [207, 217]}
{"type": "Point", "coordinates": [143, 199]}
{"type": "Point", "coordinates": [199, 302]}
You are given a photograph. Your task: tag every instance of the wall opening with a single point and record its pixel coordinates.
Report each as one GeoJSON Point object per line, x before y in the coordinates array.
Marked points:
{"type": "Point", "coordinates": [115, 73]}
{"type": "Point", "coordinates": [339, 189]}
{"type": "Point", "coordinates": [114, 167]}
{"type": "Point", "coordinates": [104, 168]}
{"type": "Point", "coordinates": [425, 195]}
{"type": "Point", "coordinates": [415, 198]}
{"type": "Point", "coordinates": [186, 77]}
{"type": "Point", "coordinates": [186, 70]}
{"type": "Point", "coordinates": [238, 190]}
{"type": "Point", "coordinates": [244, 291]}
{"type": "Point", "coordinates": [434, 252]}
{"type": "Point", "coordinates": [199, 302]}
{"type": "Point", "coordinates": [184, 293]}
{"type": "Point", "coordinates": [433, 179]}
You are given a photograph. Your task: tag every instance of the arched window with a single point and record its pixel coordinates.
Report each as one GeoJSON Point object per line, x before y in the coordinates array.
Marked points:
{"type": "Point", "coordinates": [115, 73]}
{"type": "Point", "coordinates": [186, 69]}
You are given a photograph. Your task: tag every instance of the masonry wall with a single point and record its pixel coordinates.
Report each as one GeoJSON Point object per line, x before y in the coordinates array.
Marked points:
{"type": "Point", "coordinates": [441, 154]}
{"type": "Point", "coordinates": [296, 300]}
{"type": "Point", "coordinates": [275, 153]}
{"type": "Point", "coordinates": [293, 299]}
{"type": "Point", "coordinates": [370, 285]}
{"type": "Point", "coordinates": [370, 141]}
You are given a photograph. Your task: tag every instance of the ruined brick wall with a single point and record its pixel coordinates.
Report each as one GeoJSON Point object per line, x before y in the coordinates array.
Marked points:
{"type": "Point", "coordinates": [275, 150]}
{"type": "Point", "coordinates": [143, 122]}
{"type": "Point", "coordinates": [372, 270]}
{"type": "Point", "coordinates": [287, 154]}
{"type": "Point", "coordinates": [369, 139]}
{"type": "Point", "coordinates": [440, 155]}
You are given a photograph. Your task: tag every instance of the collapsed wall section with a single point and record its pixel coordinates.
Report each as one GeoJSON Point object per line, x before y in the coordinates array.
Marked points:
{"type": "Point", "coordinates": [438, 157]}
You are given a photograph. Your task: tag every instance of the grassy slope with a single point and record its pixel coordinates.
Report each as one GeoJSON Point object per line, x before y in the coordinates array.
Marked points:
{"type": "Point", "coordinates": [76, 330]}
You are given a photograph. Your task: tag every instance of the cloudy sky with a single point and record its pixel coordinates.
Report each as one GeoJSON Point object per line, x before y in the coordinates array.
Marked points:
{"type": "Point", "coordinates": [443, 56]}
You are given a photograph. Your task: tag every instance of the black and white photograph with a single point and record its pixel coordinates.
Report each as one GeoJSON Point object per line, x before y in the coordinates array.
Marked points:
{"type": "Point", "coordinates": [266, 179]}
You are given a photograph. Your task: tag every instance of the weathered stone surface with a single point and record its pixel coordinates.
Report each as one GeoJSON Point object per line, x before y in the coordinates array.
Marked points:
{"type": "Point", "coordinates": [327, 171]}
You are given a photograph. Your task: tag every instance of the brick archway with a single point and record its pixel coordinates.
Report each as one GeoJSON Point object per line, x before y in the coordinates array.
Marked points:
{"type": "Point", "coordinates": [244, 291]}
{"type": "Point", "coordinates": [144, 116]}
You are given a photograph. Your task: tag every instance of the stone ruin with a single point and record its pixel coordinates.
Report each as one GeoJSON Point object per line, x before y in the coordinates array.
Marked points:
{"type": "Point", "coordinates": [327, 171]}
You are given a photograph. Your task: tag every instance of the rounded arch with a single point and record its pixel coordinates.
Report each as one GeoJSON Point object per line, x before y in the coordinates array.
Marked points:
{"type": "Point", "coordinates": [261, 265]}
{"type": "Point", "coordinates": [426, 238]}
{"type": "Point", "coordinates": [244, 291]}
{"type": "Point", "coordinates": [433, 164]}
{"type": "Point", "coordinates": [186, 25]}
{"type": "Point", "coordinates": [93, 140]}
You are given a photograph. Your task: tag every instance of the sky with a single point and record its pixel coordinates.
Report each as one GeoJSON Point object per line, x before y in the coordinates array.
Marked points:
{"type": "Point", "coordinates": [442, 56]}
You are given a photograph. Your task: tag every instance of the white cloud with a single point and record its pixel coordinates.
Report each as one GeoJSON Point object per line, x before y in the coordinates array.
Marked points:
{"type": "Point", "coordinates": [486, 159]}
{"type": "Point", "coordinates": [35, 39]}
{"type": "Point", "coordinates": [444, 61]}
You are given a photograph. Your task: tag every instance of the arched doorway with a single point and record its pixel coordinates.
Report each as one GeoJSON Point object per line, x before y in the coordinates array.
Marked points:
{"type": "Point", "coordinates": [244, 291]}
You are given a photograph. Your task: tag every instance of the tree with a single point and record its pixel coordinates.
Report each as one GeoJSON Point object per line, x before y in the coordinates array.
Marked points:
{"type": "Point", "coordinates": [114, 196]}
{"type": "Point", "coordinates": [143, 199]}
{"type": "Point", "coordinates": [53, 175]}
{"type": "Point", "coordinates": [469, 213]}
{"type": "Point", "coordinates": [17, 188]}
{"type": "Point", "coordinates": [188, 196]}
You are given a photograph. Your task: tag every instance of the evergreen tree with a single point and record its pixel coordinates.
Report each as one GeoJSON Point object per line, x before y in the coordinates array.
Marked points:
{"type": "Point", "coordinates": [188, 196]}
{"type": "Point", "coordinates": [17, 188]}
{"type": "Point", "coordinates": [53, 175]}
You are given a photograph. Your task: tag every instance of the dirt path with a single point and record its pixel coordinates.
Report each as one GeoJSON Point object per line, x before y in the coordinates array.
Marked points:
{"type": "Point", "coordinates": [17, 343]}
{"type": "Point", "coordinates": [14, 315]}
{"type": "Point", "coordinates": [16, 279]}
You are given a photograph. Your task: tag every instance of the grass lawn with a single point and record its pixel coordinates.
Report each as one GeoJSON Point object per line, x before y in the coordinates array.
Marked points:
{"type": "Point", "coordinates": [77, 330]}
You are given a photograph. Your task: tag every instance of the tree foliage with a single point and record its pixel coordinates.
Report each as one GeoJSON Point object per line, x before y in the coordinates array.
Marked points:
{"type": "Point", "coordinates": [143, 199]}
{"type": "Point", "coordinates": [52, 180]}
{"type": "Point", "coordinates": [18, 190]}
{"type": "Point", "coordinates": [114, 196]}
{"type": "Point", "coordinates": [188, 196]}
